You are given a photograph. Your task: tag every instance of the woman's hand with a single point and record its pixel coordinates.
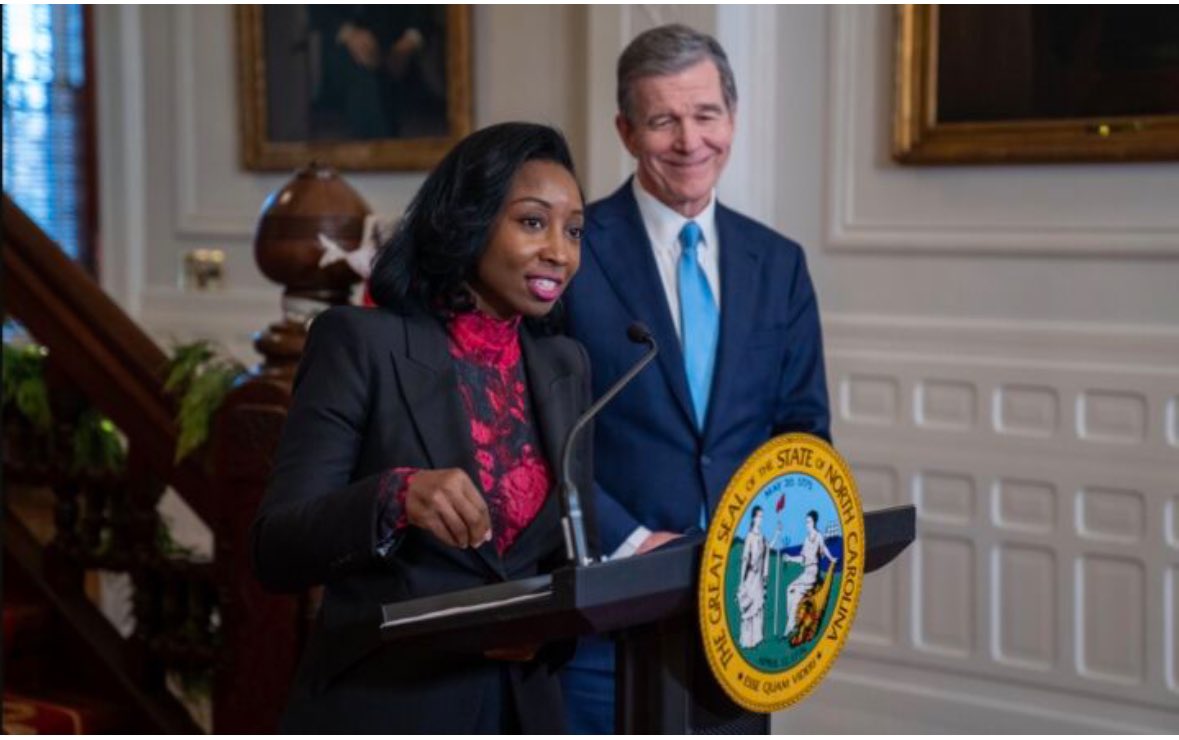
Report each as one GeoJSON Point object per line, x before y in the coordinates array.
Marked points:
{"type": "Point", "coordinates": [446, 504]}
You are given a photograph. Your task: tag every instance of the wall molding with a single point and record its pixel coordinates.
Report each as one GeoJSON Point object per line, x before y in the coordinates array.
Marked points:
{"type": "Point", "coordinates": [852, 94]}
{"type": "Point", "coordinates": [235, 309]}
{"type": "Point", "coordinates": [195, 220]}
{"type": "Point", "coordinates": [978, 589]}
{"type": "Point", "coordinates": [229, 318]}
{"type": "Point", "coordinates": [875, 697]}
{"type": "Point", "coordinates": [1066, 344]}
{"type": "Point", "coordinates": [1059, 391]}
{"type": "Point", "coordinates": [1040, 456]}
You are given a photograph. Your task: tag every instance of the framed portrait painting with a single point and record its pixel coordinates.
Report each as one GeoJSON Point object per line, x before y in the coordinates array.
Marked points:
{"type": "Point", "coordinates": [357, 87]}
{"type": "Point", "coordinates": [1036, 83]}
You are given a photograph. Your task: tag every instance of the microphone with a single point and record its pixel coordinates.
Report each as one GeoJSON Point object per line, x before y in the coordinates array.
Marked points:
{"type": "Point", "coordinates": [573, 523]}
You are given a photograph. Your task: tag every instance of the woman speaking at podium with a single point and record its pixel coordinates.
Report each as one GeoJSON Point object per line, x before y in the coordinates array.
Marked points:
{"type": "Point", "coordinates": [420, 454]}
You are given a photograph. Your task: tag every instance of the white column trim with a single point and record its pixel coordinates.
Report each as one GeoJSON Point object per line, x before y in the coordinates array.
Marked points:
{"type": "Point", "coordinates": [748, 34]}
{"type": "Point", "coordinates": [122, 153]}
{"type": "Point", "coordinates": [608, 30]}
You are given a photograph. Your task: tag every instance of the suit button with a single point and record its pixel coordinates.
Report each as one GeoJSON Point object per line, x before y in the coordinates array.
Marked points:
{"type": "Point", "coordinates": [705, 460]}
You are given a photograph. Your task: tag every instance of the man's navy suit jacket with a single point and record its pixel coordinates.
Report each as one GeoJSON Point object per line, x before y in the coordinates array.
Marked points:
{"type": "Point", "coordinates": [652, 466]}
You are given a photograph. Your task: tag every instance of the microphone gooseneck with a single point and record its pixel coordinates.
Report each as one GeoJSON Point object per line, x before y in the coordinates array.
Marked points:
{"type": "Point", "coordinates": [573, 522]}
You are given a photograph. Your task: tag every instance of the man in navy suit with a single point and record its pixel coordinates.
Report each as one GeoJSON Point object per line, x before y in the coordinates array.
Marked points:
{"type": "Point", "coordinates": [728, 300]}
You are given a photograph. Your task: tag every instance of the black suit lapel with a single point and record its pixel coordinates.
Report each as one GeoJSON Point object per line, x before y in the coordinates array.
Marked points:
{"type": "Point", "coordinates": [739, 261]}
{"type": "Point", "coordinates": [550, 398]}
{"type": "Point", "coordinates": [624, 251]}
{"type": "Point", "coordinates": [552, 392]}
{"type": "Point", "coordinates": [430, 384]}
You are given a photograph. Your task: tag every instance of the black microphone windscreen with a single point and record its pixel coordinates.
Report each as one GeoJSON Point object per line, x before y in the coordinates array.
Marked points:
{"type": "Point", "coordinates": [638, 333]}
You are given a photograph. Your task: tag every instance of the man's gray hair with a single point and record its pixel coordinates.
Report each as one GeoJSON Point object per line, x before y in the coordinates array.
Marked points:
{"type": "Point", "coordinates": [667, 50]}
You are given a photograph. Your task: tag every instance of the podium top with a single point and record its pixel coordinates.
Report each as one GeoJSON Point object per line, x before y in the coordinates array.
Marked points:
{"type": "Point", "coordinates": [594, 599]}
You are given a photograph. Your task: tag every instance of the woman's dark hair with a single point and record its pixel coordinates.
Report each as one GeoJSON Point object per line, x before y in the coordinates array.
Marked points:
{"type": "Point", "coordinates": [440, 240]}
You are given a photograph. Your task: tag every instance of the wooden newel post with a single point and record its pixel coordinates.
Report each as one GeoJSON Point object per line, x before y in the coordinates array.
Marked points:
{"type": "Point", "coordinates": [262, 632]}
{"type": "Point", "coordinates": [315, 204]}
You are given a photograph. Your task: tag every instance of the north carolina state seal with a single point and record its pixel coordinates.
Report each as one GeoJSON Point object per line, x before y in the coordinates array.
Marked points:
{"type": "Point", "coordinates": [781, 572]}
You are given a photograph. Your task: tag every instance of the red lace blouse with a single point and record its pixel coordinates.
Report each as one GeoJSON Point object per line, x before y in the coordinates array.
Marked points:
{"type": "Point", "coordinates": [513, 474]}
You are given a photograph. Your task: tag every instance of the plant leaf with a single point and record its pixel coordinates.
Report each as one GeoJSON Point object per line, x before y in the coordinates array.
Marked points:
{"type": "Point", "coordinates": [202, 397]}
{"type": "Point", "coordinates": [186, 362]}
{"type": "Point", "coordinates": [98, 446]}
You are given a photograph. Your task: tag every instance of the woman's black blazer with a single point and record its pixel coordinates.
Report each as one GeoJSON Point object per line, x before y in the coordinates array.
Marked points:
{"type": "Point", "coordinates": [377, 390]}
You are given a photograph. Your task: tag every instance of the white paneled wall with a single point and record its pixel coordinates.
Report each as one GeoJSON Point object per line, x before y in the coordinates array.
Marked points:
{"type": "Point", "coordinates": [1046, 486]}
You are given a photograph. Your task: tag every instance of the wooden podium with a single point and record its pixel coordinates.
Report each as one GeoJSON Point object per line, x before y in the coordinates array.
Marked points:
{"type": "Point", "coordinates": [647, 602]}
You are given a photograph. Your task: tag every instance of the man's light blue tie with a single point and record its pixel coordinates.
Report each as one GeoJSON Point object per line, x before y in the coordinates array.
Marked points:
{"type": "Point", "coordinates": [699, 321]}
{"type": "Point", "coordinates": [699, 324]}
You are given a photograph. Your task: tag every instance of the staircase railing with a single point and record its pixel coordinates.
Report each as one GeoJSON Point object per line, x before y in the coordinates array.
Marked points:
{"type": "Point", "coordinates": [190, 615]}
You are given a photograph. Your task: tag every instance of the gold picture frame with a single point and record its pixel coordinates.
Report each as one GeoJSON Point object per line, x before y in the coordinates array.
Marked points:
{"type": "Point", "coordinates": [921, 136]}
{"type": "Point", "coordinates": [359, 139]}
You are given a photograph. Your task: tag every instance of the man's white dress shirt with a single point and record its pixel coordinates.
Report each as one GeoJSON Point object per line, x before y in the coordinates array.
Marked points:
{"type": "Point", "coordinates": [663, 226]}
